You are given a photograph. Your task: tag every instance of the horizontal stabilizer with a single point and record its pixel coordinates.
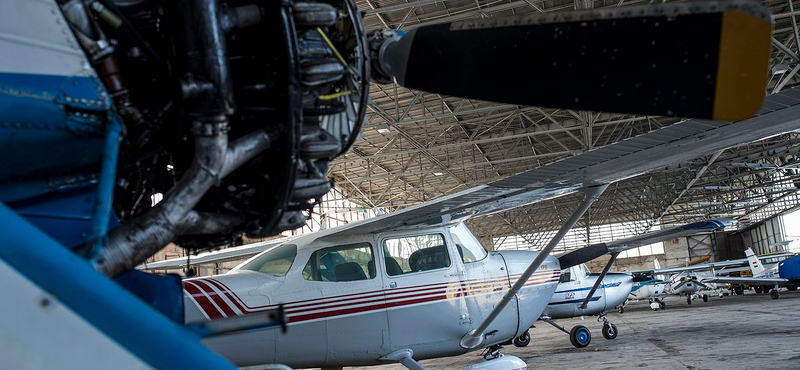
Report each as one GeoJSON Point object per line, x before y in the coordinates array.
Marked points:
{"type": "Point", "coordinates": [582, 255]}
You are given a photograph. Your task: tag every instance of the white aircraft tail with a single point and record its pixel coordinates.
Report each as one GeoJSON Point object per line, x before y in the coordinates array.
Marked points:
{"type": "Point", "coordinates": [755, 264]}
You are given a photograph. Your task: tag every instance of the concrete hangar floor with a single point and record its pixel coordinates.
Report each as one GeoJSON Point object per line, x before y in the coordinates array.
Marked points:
{"type": "Point", "coordinates": [750, 331]}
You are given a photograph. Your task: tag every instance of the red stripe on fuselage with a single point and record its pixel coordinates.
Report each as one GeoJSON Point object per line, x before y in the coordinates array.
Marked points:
{"type": "Point", "coordinates": [337, 305]}
{"type": "Point", "coordinates": [201, 299]}
{"type": "Point", "coordinates": [224, 306]}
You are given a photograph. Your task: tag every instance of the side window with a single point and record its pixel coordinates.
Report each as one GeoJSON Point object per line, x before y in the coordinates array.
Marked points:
{"type": "Point", "coordinates": [415, 253]}
{"type": "Point", "coordinates": [566, 276]}
{"type": "Point", "coordinates": [468, 247]}
{"type": "Point", "coordinates": [350, 262]}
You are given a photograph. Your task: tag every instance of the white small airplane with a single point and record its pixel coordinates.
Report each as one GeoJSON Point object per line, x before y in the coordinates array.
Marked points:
{"type": "Point", "coordinates": [785, 273]}
{"type": "Point", "coordinates": [650, 290]}
{"type": "Point", "coordinates": [572, 298]}
{"type": "Point", "coordinates": [367, 298]}
{"type": "Point", "coordinates": [690, 280]}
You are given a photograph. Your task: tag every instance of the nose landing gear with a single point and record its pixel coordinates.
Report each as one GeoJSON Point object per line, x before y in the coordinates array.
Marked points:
{"type": "Point", "coordinates": [609, 329]}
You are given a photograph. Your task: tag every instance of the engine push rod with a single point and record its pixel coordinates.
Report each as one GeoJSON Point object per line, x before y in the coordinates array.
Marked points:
{"type": "Point", "coordinates": [475, 337]}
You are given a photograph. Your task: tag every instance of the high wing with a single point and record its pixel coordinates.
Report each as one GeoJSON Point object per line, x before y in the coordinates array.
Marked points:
{"type": "Point", "coordinates": [670, 146]}
{"type": "Point", "coordinates": [229, 254]}
{"type": "Point", "coordinates": [744, 280]}
{"type": "Point", "coordinates": [593, 251]}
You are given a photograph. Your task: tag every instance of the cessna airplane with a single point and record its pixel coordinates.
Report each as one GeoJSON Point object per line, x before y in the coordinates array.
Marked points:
{"type": "Point", "coordinates": [786, 273]}
{"type": "Point", "coordinates": [651, 290]}
{"type": "Point", "coordinates": [371, 297]}
{"type": "Point", "coordinates": [571, 299]}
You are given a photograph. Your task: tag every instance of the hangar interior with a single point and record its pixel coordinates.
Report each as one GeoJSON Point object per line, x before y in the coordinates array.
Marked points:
{"type": "Point", "coordinates": [417, 146]}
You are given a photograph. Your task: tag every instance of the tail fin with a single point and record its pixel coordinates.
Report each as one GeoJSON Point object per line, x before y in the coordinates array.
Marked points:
{"type": "Point", "coordinates": [755, 264]}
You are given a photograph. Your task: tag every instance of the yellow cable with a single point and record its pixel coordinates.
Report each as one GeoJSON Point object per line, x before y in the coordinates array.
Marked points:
{"type": "Point", "coordinates": [333, 48]}
{"type": "Point", "coordinates": [334, 95]}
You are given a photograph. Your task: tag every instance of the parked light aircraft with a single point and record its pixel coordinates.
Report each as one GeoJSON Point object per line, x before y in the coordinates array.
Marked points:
{"type": "Point", "coordinates": [571, 299]}
{"type": "Point", "coordinates": [786, 273]}
{"type": "Point", "coordinates": [651, 290]}
{"type": "Point", "coordinates": [648, 287]}
{"type": "Point", "coordinates": [385, 295]}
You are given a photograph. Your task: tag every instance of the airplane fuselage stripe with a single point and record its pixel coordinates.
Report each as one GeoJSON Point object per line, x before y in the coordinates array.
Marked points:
{"type": "Point", "coordinates": [209, 293]}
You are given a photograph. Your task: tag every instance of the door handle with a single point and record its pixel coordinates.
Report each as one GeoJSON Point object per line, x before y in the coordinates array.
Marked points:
{"type": "Point", "coordinates": [393, 285]}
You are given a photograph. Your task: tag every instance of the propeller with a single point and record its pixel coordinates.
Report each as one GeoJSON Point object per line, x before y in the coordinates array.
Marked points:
{"type": "Point", "coordinates": [697, 59]}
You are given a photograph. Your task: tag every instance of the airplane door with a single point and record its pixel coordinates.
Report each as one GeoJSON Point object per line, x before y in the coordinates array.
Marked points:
{"type": "Point", "coordinates": [423, 292]}
{"type": "Point", "coordinates": [485, 282]}
{"type": "Point", "coordinates": [354, 312]}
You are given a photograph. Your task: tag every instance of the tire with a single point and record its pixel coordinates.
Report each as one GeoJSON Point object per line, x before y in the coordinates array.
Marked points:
{"type": "Point", "coordinates": [580, 336]}
{"type": "Point", "coordinates": [792, 287]}
{"type": "Point", "coordinates": [738, 290]}
{"type": "Point", "coordinates": [609, 331]}
{"type": "Point", "coordinates": [621, 309]}
{"type": "Point", "coordinates": [758, 289]}
{"type": "Point", "coordinates": [689, 300]}
{"type": "Point", "coordinates": [705, 297]}
{"type": "Point", "coordinates": [774, 294]}
{"type": "Point", "coordinates": [662, 305]}
{"type": "Point", "coordinates": [523, 340]}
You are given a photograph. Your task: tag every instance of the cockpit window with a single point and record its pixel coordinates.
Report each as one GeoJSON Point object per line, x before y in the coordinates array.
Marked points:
{"type": "Point", "coordinates": [415, 253]}
{"type": "Point", "coordinates": [467, 245]}
{"type": "Point", "coordinates": [350, 262]}
{"type": "Point", "coordinates": [275, 262]}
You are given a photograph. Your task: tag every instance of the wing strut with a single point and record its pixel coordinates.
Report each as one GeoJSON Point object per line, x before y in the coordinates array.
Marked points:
{"type": "Point", "coordinates": [599, 280]}
{"type": "Point", "coordinates": [475, 337]}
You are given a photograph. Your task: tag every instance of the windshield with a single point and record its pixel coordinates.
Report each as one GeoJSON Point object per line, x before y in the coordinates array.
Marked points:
{"type": "Point", "coordinates": [275, 262]}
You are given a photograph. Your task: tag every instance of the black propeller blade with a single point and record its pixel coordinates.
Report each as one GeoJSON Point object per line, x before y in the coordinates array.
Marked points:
{"type": "Point", "coordinates": [698, 59]}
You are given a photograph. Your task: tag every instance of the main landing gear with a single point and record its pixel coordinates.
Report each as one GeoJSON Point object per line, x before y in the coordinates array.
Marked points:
{"type": "Point", "coordinates": [523, 340]}
{"type": "Point", "coordinates": [580, 336]}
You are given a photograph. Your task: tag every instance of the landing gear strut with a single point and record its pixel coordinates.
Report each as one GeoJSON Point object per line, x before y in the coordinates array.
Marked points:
{"type": "Point", "coordinates": [609, 329]}
{"type": "Point", "coordinates": [579, 336]}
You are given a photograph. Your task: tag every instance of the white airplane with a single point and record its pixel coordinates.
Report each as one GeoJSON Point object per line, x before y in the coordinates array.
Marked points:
{"type": "Point", "coordinates": [572, 298]}
{"type": "Point", "coordinates": [786, 273]}
{"type": "Point", "coordinates": [367, 298]}
{"type": "Point", "coordinates": [689, 280]}
{"type": "Point", "coordinates": [650, 290]}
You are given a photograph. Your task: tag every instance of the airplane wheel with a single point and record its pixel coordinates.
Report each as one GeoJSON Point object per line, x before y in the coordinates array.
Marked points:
{"type": "Point", "coordinates": [689, 300]}
{"type": "Point", "coordinates": [774, 294]}
{"type": "Point", "coordinates": [793, 287]}
{"type": "Point", "coordinates": [580, 336]}
{"type": "Point", "coordinates": [523, 340]}
{"type": "Point", "coordinates": [757, 288]}
{"type": "Point", "coordinates": [609, 331]}
{"type": "Point", "coordinates": [705, 297]}
{"type": "Point", "coordinates": [662, 305]}
{"type": "Point", "coordinates": [738, 290]}
{"type": "Point", "coordinates": [621, 309]}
